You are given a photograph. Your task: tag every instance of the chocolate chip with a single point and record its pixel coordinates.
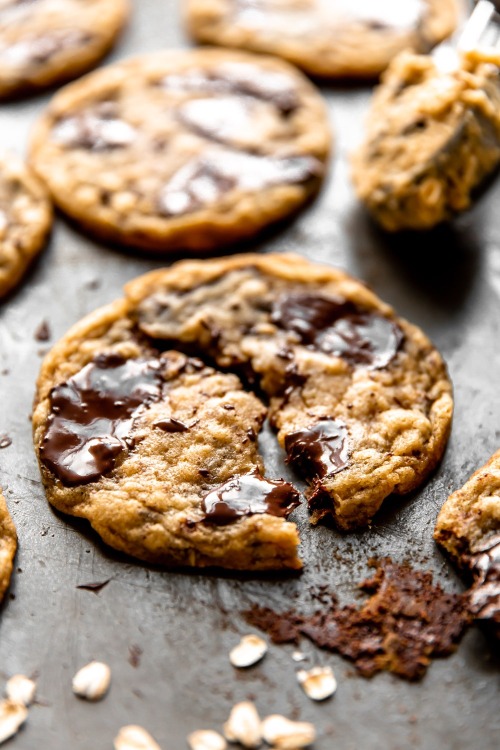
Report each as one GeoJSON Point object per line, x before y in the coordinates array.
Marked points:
{"type": "Point", "coordinates": [93, 413]}
{"type": "Point", "coordinates": [248, 495]}
{"type": "Point", "coordinates": [5, 441]}
{"type": "Point", "coordinates": [171, 425]}
{"type": "Point", "coordinates": [43, 333]}
{"type": "Point", "coordinates": [320, 450]}
{"type": "Point", "coordinates": [94, 131]}
{"type": "Point", "coordinates": [337, 327]}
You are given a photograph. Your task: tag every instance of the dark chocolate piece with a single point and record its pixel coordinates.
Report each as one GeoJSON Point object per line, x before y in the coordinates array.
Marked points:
{"type": "Point", "coordinates": [38, 49]}
{"type": "Point", "coordinates": [319, 450]}
{"type": "Point", "coordinates": [249, 495]}
{"type": "Point", "coordinates": [338, 327]}
{"type": "Point", "coordinates": [5, 441]}
{"type": "Point", "coordinates": [43, 333]}
{"type": "Point", "coordinates": [171, 425]}
{"type": "Point", "coordinates": [484, 595]}
{"type": "Point", "coordinates": [405, 623]}
{"type": "Point", "coordinates": [93, 413]}
{"type": "Point", "coordinates": [100, 130]}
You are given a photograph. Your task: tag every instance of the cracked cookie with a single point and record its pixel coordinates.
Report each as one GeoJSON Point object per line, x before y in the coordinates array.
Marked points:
{"type": "Point", "coordinates": [330, 38]}
{"type": "Point", "coordinates": [8, 546]}
{"type": "Point", "coordinates": [432, 138]}
{"type": "Point", "coordinates": [158, 451]}
{"type": "Point", "coordinates": [183, 149]}
{"type": "Point", "coordinates": [25, 220]}
{"type": "Point", "coordinates": [468, 527]}
{"type": "Point", "coordinates": [360, 399]}
{"type": "Point", "coordinates": [45, 42]}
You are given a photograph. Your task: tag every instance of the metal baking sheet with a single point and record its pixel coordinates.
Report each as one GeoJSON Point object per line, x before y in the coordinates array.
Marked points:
{"type": "Point", "coordinates": [167, 635]}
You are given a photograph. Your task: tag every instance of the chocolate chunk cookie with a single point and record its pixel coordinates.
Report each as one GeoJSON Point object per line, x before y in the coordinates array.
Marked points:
{"type": "Point", "coordinates": [184, 149]}
{"type": "Point", "coordinates": [44, 42]}
{"type": "Point", "coordinates": [8, 546]}
{"type": "Point", "coordinates": [158, 451]}
{"type": "Point", "coordinates": [468, 527]}
{"type": "Point", "coordinates": [432, 137]}
{"type": "Point", "coordinates": [345, 38]}
{"type": "Point", "coordinates": [25, 220]}
{"type": "Point", "coordinates": [360, 399]}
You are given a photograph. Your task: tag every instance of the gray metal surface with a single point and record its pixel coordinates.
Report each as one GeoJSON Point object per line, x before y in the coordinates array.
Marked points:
{"type": "Point", "coordinates": [448, 282]}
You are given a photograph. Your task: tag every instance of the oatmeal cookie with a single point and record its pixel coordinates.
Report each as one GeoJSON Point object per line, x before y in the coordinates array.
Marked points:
{"type": "Point", "coordinates": [432, 138]}
{"type": "Point", "coordinates": [25, 220]}
{"type": "Point", "coordinates": [44, 42]}
{"type": "Point", "coordinates": [468, 527]}
{"type": "Point", "coordinates": [183, 149]}
{"type": "Point", "coordinates": [330, 38]}
{"type": "Point", "coordinates": [158, 451]}
{"type": "Point", "coordinates": [360, 399]}
{"type": "Point", "coordinates": [8, 546]}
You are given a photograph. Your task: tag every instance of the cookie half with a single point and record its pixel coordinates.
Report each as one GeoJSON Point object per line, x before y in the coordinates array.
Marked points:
{"type": "Point", "coordinates": [360, 399]}
{"type": "Point", "coordinates": [44, 42]}
{"type": "Point", "coordinates": [8, 546]}
{"type": "Point", "coordinates": [25, 220]}
{"type": "Point", "coordinates": [184, 149]}
{"type": "Point", "coordinates": [330, 38]}
{"type": "Point", "coordinates": [468, 527]}
{"type": "Point", "coordinates": [158, 451]}
{"type": "Point", "coordinates": [432, 137]}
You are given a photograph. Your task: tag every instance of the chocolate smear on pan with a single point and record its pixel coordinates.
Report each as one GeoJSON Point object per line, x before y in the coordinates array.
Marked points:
{"type": "Point", "coordinates": [405, 623]}
{"type": "Point", "coordinates": [248, 495]}
{"type": "Point", "coordinates": [93, 414]}
{"type": "Point", "coordinates": [338, 327]}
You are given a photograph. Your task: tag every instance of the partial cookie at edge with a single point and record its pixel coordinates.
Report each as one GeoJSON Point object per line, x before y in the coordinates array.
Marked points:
{"type": "Point", "coordinates": [8, 546]}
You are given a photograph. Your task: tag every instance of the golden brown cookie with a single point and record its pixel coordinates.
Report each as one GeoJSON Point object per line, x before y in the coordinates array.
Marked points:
{"type": "Point", "coordinates": [8, 546]}
{"type": "Point", "coordinates": [431, 139]}
{"type": "Point", "coordinates": [25, 220]}
{"type": "Point", "coordinates": [44, 42]}
{"type": "Point", "coordinates": [330, 38]}
{"type": "Point", "coordinates": [468, 527]}
{"type": "Point", "coordinates": [183, 149]}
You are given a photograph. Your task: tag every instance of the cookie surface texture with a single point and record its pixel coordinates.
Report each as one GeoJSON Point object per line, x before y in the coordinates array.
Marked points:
{"type": "Point", "coordinates": [25, 220]}
{"type": "Point", "coordinates": [330, 38]}
{"type": "Point", "coordinates": [468, 528]}
{"type": "Point", "coordinates": [183, 149]}
{"type": "Point", "coordinates": [45, 42]}
{"type": "Point", "coordinates": [8, 546]}
{"type": "Point", "coordinates": [142, 444]}
{"type": "Point", "coordinates": [431, 139]}
{"type": "Point", "coordinates": [360, 399]}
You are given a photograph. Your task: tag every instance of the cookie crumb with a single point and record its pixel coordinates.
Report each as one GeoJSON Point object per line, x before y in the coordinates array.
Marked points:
{"type": "Point", "coordinates": [206, 739]}
{"type": "Point", "coordinates": [92, 681]}
{"type": "Point", "coordinates": [250, 650]}
{"type": "Point", "coordinates": [133, 737]}
{"type": "Point", "coordinates": [284, 734]}
{"type": "Point", "coordinates": [318, 683]}
{"type": "Point", "coordinates": [12, 717]}
{"type": "Point", "coordinates": [244, 725]}
{"type": "Point", "coordinates": [21, 689]}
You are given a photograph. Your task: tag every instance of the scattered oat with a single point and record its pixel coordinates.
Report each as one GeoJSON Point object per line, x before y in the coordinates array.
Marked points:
{"type": "Point", "coordinates": [206, 739]}
{"type": "Point", "coordinates": [92, 682]}
{"type": "Point", "coordinates": [134, 738]}
{"type": "Point", "coordinates": [12, 717]}
{"type": "Point", "coordinates": [244, 725]}
{"type": "Point", "coordinates": [318, 683]}
{"type": "Point", "coordinates": [299, 656]}
{"type": "Point", "coordinates": [284, 734]}
{"type": "Point", "coordinates": [250, 650]}
{"type": "Point", "coordinates": [21, 689]}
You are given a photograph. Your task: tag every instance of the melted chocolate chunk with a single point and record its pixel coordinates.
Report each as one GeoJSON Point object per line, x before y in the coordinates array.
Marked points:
{"type": "Point", "coordinates": [37, 50]}
{"type": "Point", "coordinates": [338, 327]}
{"type": "Point", "coordinates": [249, 495]}
{"type": "Point", "coordinates": [405, 623]}
{"type": "Point", "coordinates": [93, 413]}
{"type": "Point", "coordinates": [485, 593]}
{"type": "Point", "coordinates": [101, 130]}
{"type": "Point", "coordinates": [320, 450]}
{"type": "Point", "coordinates": [171, 425]}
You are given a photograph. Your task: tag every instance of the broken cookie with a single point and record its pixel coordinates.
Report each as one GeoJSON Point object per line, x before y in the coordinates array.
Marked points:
{"type": "Point", "coordinates": [8, 546]}
{"type": "Point", "coordinates": [468, 527]}
{"type": "Point", "coordinates": [432, 138]}
{"type": "Point", "coordinates": [184, 149]}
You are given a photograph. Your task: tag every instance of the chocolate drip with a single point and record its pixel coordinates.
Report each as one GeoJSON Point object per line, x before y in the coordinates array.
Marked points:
{"type": "Point", "coordinates": [319, 450]}
{"type": "Point", "coordinates": [337, 327]}
{"type": "Point", "coordinates": [93, 413]}
{"type": "Point", "coordinates": [171, 425]}
{"type": "Point", "coordinates": [485, 593]}
{"type": "Point", "coordinates": [249, 495]}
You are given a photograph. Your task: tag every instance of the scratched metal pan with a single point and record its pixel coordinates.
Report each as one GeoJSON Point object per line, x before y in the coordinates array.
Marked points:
{"type": "Point", "coordinates": [167, 635]}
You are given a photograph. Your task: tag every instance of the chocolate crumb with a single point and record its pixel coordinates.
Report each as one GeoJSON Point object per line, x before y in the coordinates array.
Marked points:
{"type": "Point", "coordinates": [405, 623]}
{"type": "Point", "coordinates": [43, 332]}
{"type": "Point", "coordinates": [94, 586]}
{"type": "Point", "coordinates": [5, 441]}
{"type": "Point", "coordinates": [134, 655]}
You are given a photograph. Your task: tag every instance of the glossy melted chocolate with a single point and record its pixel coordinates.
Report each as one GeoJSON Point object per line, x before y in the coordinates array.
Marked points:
{"type": "Point", "coordinates": [319, 450]}
{"type": "Point", "coordinates": [335, 326]}
{"type": "Point", "coordinates": [93, 413]}
{"type": "Point", "coordinates": [249, 495]}
{"type": "Point", "coordinates": [485, 593]}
